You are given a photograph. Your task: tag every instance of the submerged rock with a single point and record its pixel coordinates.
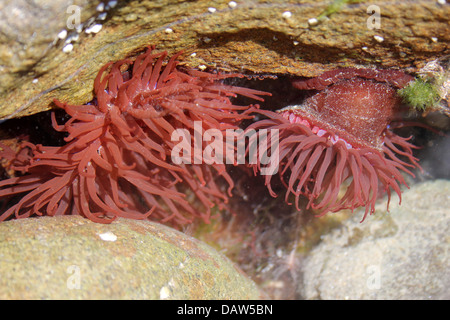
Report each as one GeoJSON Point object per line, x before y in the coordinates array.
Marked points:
{"type": "Point", "coordinates": [71, 257]}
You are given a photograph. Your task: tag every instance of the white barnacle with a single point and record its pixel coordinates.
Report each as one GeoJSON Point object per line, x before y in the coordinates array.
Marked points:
{"type": "Point", "coordinates": [378, 38]}
{"type": "Point", "coordinates": [94, 28]}
{"type": "Point", "coordinates": [102, 16]}
{"type": "Point", "coordinates": [313, 22]}
{"type": "Point", "coordinates": [67, 48]}
{"type": "Point", "coordinates": [111, 4]}
{"type": "Point", "coordinates": [164, 293]}
{"type": "Point", "coordinates": [286, 14]}
{"type": "Point", "coordinates": [100, 7]}
{"type": "Point", "coordinates": [62, 34]}
{"type": "Point", "coordinates": [108, 236]}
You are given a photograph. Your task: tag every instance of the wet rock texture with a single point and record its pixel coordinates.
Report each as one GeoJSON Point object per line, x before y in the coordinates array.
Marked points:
{"type": "Point", "coordinates": [73, 258]}
{"type": "Point", "coordinates": [403, 254]}
{"type": "Point", "coordinates": [253, 37]}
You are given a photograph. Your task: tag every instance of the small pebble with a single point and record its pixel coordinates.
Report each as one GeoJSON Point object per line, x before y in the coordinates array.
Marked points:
{"type": "Point", "coordinates": [232, 4]}
{"type": "Point", "coordinates": [212, 9]}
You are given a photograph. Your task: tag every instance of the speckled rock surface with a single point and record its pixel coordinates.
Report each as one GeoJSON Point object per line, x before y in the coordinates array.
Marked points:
{"type": "Point", "coordinates": [251, 37]}
{"type": "Point", "coordinates": [74, 258]}
{"type": "Point", "coordinates": [400, 255]}
{"type": "Point", "coordinates": [28, 35]}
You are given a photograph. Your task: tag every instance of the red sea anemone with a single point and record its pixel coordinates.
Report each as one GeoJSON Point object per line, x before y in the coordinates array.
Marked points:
{"type": "Point", "coordinates": [336, 149]}
{"type": "Point", "coordinates": [117, 160]}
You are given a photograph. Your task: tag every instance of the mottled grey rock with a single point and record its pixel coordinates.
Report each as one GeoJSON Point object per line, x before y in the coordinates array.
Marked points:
{"type": "Point", "coordinates": [73, 258]}
{"type": "Point", "coordinates": [403, 254]}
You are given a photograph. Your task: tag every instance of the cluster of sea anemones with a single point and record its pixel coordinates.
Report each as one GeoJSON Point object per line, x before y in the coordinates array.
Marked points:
{"type": "Point", "coordinates": [335, 149]}
{"type": "Point", "coordinates": [117, 159]}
